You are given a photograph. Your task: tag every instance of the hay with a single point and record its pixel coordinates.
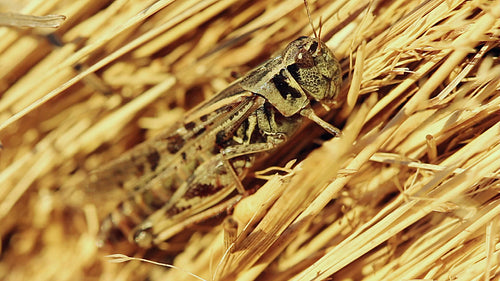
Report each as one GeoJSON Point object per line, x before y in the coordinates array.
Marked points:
{"type": "Point", "coordinates": [410, 191]}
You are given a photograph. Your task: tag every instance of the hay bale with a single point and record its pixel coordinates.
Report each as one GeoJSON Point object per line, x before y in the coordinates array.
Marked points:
{"type": "Point", "coordinates": [410, 191]}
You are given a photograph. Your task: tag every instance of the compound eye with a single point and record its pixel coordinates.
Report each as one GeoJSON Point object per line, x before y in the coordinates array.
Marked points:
{"type": "Point", "coordinates": [304, 59]}
{"type": "Point", "coordinates": [313, 47]}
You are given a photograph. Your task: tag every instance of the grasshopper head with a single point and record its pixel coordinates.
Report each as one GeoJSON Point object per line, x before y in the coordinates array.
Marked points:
{"type": "Point", "coordinates": [306, 70]}
{"type": "Point", "coordinates": [315, 69]}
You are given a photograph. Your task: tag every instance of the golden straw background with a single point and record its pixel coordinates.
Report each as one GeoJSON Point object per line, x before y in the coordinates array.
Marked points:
{"type": "Point", "coordinates": [409, 192]}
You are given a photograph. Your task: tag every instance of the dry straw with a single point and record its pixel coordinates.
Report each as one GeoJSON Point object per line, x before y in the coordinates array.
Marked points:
{"type": "Point", "coordinates": [409, 192]}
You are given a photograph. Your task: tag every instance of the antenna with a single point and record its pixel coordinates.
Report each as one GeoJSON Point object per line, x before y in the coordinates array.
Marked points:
{"type": "Point", "coordinates": [320, 27]}
{"type": "Point", "coordinates": [310, 19]}
{"type": "Point", "coordinates": [317, 35]}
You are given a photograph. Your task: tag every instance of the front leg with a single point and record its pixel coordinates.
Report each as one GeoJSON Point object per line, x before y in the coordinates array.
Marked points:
{"type": "Point", "coordinates": [245, 149]}
{"type": "Point", "coordinates": [264, 130]}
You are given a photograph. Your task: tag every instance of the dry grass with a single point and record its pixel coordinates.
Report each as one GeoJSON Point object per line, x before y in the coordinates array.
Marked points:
{"type": "Point", "coordinates": [410, 191]}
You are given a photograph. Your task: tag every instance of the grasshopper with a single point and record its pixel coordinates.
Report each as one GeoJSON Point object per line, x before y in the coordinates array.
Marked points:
{"type": "Point", "coordinates": [200, 162]}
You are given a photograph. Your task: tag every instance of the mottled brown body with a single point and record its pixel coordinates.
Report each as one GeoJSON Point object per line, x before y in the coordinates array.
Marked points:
{"type": "Point", "coordinates": [192, 167]}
